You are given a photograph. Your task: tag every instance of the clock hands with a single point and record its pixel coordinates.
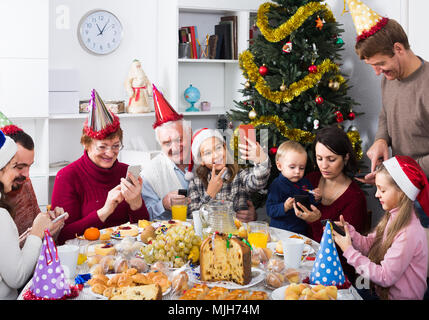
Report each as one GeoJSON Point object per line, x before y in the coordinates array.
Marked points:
{"type": "Point", "coordinates": [102, 30]}
{"type": "Point", "coordinates": [99, 30]}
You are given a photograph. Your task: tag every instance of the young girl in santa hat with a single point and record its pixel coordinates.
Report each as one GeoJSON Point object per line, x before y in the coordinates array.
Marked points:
{"type": "Point", "coordinates": [218, 177]}
{"type": "Point", "coordinates": [394, 257]}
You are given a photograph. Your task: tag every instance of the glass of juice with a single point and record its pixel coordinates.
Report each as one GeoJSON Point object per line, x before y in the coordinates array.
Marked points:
{"type": "Point", "coordinates": [179, 208]}
{"type": "Point", "coordinates": [257, 233]}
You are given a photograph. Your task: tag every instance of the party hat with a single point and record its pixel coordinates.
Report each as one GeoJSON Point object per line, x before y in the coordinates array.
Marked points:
{"type": "Point", "coordinates": [366, 21]}
{"type": "Point", "coordinates": [164, 112]}
{"type": "Point", "coordinates": [327, 269]}
{"type": "Point", "coordinates": [49, 281]}
{"type": "Point", "coordinates": [7, 126]}
{"type": "Point", "coordinates": [100, 122]}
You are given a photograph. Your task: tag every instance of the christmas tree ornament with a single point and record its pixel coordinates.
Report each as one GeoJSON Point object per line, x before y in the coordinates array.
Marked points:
{"type": "Point", "coordinates": [339, 41]}
{"type": "Point", "coordinates": [287, 48]}
{"type": "Point", "coordinates": [351, 116]}
{"type": "Point", "coordinates": [316, 124]}
{"type": "Point", "coordinates": [283, 88]}
{"type": "Point", "coordinates": [334, 85]}
{"type": "Point", "coordinates": [319, 23]}
{"type": "Point", "coordinates": [312, 69]}
{"type": "Point", "coordinates": [273, 150]}
{"type": "Point", "coordinates": [252, 114]}
{"type": "Point", "coordinates": [367, 22]}
{"type": "Point", "coordinates": [319, 100]}
{"type": "Point", "coordinates": [352, 128]}
{"type": "Point", "coordinates": [339, 116]}
{"type": "Point", "coordinates": [247, 85]}
{"type": "Point", "coordinates": [263, 70]}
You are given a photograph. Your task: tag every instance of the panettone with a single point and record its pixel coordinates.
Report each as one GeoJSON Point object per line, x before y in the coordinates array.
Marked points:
{"type": "Point", "coordinates": [225, 258]}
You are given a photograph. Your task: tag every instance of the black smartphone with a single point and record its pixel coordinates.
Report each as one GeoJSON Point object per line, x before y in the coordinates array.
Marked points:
{"type": "Point", "coordinates": [303, 199]}
{"type": "Point", "coordinates": [183, 192]}
{"type": "Point", "coordinates": [336, 227]}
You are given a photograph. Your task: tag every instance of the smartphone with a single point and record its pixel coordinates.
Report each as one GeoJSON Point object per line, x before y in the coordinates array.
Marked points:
{"type": "Point", "coordinates": [182, 192]}
{"type": "Point", "coordinates": [135, 171]}
{"type": "Point", "coordinates": [62, 216]}
{"type": "Point", "coordinates": [248, 131]}
{"type": "Point", "coordinates": [336, 227]}
{"type": "Point", "coordinates": [304, 199]}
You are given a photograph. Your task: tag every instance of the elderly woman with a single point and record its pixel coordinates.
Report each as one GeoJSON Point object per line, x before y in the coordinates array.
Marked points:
{"type": "Point", "coordinates": [93, 189]}
{"type": "Point", "coordinates": [16, 265]}
{"type": "Point", "coordinates": [340, 195]}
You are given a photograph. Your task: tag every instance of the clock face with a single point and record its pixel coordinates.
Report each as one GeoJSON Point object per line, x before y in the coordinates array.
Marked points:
{"type": "Point", "coordinates": [100, 32]}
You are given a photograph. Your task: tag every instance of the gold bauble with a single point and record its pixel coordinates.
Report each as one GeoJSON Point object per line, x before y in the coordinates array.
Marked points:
{"type": "Point", "coordinates": [334, 85]}
{"type": "Point", "coordinates": [283, 88]}
{"type": "Point", "coordinates": [247, 85]}
{"type": "Point", "coordinates": [252, 114]}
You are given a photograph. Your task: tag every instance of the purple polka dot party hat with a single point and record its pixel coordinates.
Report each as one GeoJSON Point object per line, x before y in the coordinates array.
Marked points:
{"type": "Point", "coordinates": [49, 281]}
{"type": "Point", "coordinates": [327, 269]}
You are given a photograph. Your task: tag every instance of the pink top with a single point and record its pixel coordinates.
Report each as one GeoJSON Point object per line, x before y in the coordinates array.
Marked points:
{"type": "Point", "coordinates": [404, 267]}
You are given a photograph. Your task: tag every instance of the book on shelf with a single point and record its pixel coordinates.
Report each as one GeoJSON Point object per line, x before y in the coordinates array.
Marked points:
{"type": "Point", "coordinates": [212, 46]}
{"type": "Point", "coordinates": [224, 47]}
{"type": "Point", "coordinates": [233, 21]}
{"type": "Point", "coordinates": [189, 35]}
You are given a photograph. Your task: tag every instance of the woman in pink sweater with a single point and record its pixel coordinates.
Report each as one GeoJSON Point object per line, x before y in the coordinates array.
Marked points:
{"type": "Point", "coordinates": [395, 256]}
{"type": "Point", "coordinates": [93, 189]}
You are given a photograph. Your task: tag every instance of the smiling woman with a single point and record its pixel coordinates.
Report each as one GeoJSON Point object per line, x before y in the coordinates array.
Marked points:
{"type": "Point", "coordinates": [93, 189]}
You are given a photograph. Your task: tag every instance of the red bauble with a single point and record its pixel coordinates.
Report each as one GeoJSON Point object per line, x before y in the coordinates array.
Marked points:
{"type": "Point", "coordinates": [263, 70]}
{"type": "Point", "coordinates": [312, 69]}
{"type": "Point", "coordinates": [351, 115]}
{"type": "Point", "coordinates": [273, 151]}
{"type": "Point", "coordinates": [339, 116]}
{"type": "Point", "coordinates": [319, 100]}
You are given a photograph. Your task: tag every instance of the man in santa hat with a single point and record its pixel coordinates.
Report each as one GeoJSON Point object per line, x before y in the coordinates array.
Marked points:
{"type": "Point", "coordinates": [171, 170]}
{"type": "Point", "coordinates": [383, 44]}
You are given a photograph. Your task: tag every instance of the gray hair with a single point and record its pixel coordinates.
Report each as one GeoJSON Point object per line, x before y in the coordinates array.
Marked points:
{"type": "Point", "coordinates": [186, 125]}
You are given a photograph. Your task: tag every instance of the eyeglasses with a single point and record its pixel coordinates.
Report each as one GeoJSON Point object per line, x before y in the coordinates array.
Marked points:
{"type": "Point", "coordinates": [115, 148]}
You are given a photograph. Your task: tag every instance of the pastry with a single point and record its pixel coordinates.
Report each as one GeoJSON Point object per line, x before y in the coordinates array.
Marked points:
{"type": "Point", "coordinates": [276, 265]}
{"type": "Point", "coordinates": [279, 247]}
{"type": "Point", "coordinates": [216, 293]}
{"type": "Point", "coordinates": [147, 234]}
{"type": "Point", "coordinates": [145, 292]}
{"type": "Point", "coordinates": [104, 249]}
{"type": "Point", "coordinates": [127, 230]}
{"type": "Point", "coordinates": [138, 264]}
{"type": "Point", "coordinates": [93, 260]}
{"type": "Point", "coordinates": [225, 258]}
{"type": "Point", "coordinates": [161, 279]}
{"type": "Point", "coordinates": [106, 233]}
{"type": "Point", "coordinates": [98, 288]}
{"type": "Point", "coordinates": [121, 265]}
{"type": "Point", "coordinates": [237, 294]}
{"type": "Point", "coordinates": [141, 278]}
{"type": "Point", "coordinates": [274, 279]}
{"type": "Point", "coordinates": [143, 223]}
{"type": "Point", "coordinates": [107, 263]}
{"type": "Point", "coordinates": [96, 269]}
{"type": "Point", "coordinates": [180, 282]}
{"type": "Point", "coordinates": [258, 295]}
{"type": "Point", "coordinates": [124, 280]}
{"type": "Point", "coordinates": [195, 293]}
{"type": "Point", "coordinates": [292, 275]}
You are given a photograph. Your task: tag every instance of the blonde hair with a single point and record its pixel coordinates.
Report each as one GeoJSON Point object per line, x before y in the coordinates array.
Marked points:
{"type": "Point", "coordinates": [289, 145]}
{"type": "Point", "coordinates": [379, 247]}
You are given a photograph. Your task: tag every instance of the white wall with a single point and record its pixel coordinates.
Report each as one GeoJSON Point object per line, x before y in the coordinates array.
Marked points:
{"type": "Point", "coordinates": [105, 73]}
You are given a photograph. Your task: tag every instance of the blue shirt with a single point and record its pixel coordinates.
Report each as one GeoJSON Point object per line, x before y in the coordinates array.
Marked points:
{"type": "Point", "coordinates": [280, 189]}
{"type": "Point", "coordinates": [154, 203]}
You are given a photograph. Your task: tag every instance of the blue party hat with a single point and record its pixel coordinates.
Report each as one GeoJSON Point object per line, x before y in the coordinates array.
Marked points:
{"type": "Point", "coordinates": [327, 269]}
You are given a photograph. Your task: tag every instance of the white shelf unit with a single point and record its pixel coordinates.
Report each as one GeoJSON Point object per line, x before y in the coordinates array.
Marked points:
{"type": "Point", "coordinates": [217, 80]}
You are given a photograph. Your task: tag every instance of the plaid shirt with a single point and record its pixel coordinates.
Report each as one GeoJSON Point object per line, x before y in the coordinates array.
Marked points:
{"type": "Point", "coordinates": [246, 181]}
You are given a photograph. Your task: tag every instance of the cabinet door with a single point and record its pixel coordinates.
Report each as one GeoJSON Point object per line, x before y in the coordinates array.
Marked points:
{"type": "Point", "coordinates": [418, 10]}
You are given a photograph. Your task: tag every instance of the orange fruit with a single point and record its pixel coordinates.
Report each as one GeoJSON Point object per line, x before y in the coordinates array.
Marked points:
{"type": "Point", "coordinates": [91, 234]}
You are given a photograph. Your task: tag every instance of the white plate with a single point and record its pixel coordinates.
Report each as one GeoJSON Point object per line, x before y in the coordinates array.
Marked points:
{"type": "Point", "coordinates": [257, 276]}
{"type": "Point", "coordinates": [343, 294]}
{"type": "Point", "coordinates": [307, 249]}
{"type": "Point", "coordinates": [100, 296]}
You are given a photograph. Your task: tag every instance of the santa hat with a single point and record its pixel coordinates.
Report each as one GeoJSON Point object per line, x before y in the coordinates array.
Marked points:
{"type": "Point", "coordinates": [7, 149]}
{"type": "Point", "coordinates": [49, 281]}
{"type": "Point", "coordinates": [410, 177]}
{"type": "Point", "coordinates": [327, 269]}
{"type": "Point", "coordinates": [164, 112]}
{"type": "Point", "coordinates": [366, 21]}
{"type": "Point", "coordinates": [7, 126]}
{"type": "Point", "coordinates": [100, 122]}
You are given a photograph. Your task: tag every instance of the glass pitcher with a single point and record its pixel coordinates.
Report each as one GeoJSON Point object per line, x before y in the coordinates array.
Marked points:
{"type": "Point", "coordinates": [218, 215]}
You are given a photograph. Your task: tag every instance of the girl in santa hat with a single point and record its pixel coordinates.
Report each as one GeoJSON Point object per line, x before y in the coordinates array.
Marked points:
{"type": "Point", "coordinates": [218, 177]}
{"type": "Point", "coordinates": [394, 257]}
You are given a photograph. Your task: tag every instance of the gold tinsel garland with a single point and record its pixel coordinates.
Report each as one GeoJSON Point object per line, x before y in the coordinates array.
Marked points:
{"type": "Point", "coordinates": [295, 89]}
{"type": "Point", "coordinates": [297, 135]}
{"type": "Point", "coordinates": [282, 31]}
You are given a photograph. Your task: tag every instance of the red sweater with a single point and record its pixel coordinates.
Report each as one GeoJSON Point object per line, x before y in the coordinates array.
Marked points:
{"type": "Point", "coordinates": [351, 204]}
{"type": "Point", "coordinates": [81, 188]}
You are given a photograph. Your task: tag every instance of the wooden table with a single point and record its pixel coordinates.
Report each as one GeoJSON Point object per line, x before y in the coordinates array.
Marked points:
{"type": "Point", "coordinates": [276, 234]}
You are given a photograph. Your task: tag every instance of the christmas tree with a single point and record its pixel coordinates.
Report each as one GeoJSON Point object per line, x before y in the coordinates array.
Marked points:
{"type": "Point", "coordinates": [294, 82]}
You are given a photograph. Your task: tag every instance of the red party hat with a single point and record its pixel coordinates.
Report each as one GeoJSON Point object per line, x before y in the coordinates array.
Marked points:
{"type": "Point", "coordinates": [164, 112]}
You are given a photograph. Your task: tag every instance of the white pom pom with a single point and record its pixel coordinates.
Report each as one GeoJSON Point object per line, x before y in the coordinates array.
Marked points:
{"type": "Point", "coordinates": [189, 176]}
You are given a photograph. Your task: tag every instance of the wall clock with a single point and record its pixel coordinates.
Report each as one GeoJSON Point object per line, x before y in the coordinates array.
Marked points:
{"type": "Point", "coordinates": [100, 32]}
